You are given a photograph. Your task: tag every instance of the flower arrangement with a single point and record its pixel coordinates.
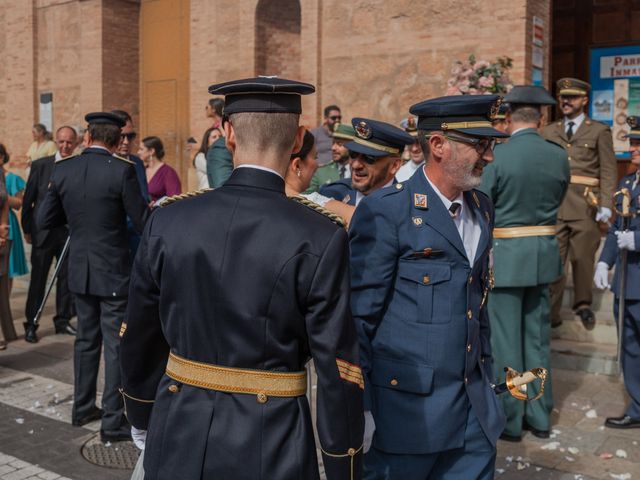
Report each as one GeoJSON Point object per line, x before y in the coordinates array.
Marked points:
{"type": "Point", "coordinates": [477, 77]}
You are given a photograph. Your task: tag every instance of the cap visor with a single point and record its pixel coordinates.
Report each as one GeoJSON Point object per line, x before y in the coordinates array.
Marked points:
{"type": "Point", "coordinates": [356, 147]}
{"type": "Point", "coordinates": [483, 132]}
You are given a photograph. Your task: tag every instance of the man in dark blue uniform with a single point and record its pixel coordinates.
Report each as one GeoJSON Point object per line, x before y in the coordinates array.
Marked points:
{"type": "Point", "coordinates": [419, 279]}
{"type": "Point", "coordinates": [94, 193]}
{"type": "Point", "coordinates": [373, 166]}
{"type": "Point", "coordinates": [618, 240]}
{"type": "Point", "coordinates": [224, 315]}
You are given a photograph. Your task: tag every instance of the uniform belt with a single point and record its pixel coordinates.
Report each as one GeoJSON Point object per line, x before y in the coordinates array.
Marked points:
{"type": "Point", "coordinates": [237, 380]}
{"type": "Point", "coordinates": [519, 232]}
{"type": "Point", "coordinates": [582, 180]}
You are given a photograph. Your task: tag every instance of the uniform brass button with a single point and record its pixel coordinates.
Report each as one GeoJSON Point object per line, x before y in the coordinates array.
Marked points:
{"type": "Point", "coordinates": [466, 380]}
{"type": "Point", "coordinates": [398, 186]}
{"type": "Point", "coordinates": [426, 279]}
{"type": "Point", "coordinates": [469, 347]}
{"type": "Point", "coordinates": [351, 452]}
{"type": "Point", "coordinates": [262, 397]}
{"type": "Point", "coordinates": [482, 359]}
{"type": "Point", "coordinates": [394, 382]}
{"type": "Point", "coordinates": [469, 314]}
{"type": "Point", "coordinates": [568, 145]}
{"type": "Point", "coordinates": [173, 388]}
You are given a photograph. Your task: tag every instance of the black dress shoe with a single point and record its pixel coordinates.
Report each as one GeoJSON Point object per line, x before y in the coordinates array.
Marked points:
{"type": "Point", "coordinates": [96, 414]}
{"type": "Point", "coordinates": [66, 329]}
{"type": "Point", "coordinates": [510, 438]}
{"type": "Point", "coordinates": [534, 431]}
{"type": "Point", "coordinates": [588, 318]}
{"type": "Point", "coordinates": [115, 436]}
{"type": "Point", "coordinates": [624, 421]}
{"type": "Point", "coordinates": [30, 334]}
{"type": "Point", "coordinates": [555, 323]}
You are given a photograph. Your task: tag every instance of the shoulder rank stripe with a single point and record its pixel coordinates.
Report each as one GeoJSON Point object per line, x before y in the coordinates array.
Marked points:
{"type": "Point", "coordinates": [123, 328]}
{"type": "Point", "coordinates": [337, 219]}
{"type": "Point", "coordinates": [350, 372]}
{"type": "Point", "coordinates": [123, 159]}
{"type": "Point", "coordinates": [182, 196]}
{"type": "Point", "coordinates": [64, 158]}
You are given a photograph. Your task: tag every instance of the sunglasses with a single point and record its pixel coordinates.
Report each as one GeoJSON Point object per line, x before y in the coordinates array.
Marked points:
{"type": "Point", "coordinates": [336, 118]}
{"type": "Point", "coordinates": [129, 136]}
{"type": "Point", "coordinates": [480, 144]}
{"type": "Point", "coordinates": [368, 159]}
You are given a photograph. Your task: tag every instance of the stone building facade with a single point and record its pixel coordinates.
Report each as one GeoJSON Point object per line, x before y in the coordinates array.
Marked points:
{"type": "Point", "coordinates": [156, 58]}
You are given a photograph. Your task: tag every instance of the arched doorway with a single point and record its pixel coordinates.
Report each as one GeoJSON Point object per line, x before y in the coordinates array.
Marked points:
{"type": "Point", "coordinates": [277, 45]}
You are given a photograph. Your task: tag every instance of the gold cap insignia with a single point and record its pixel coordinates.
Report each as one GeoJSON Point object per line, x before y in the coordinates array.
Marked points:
{"type": "Point", "coordinates": [495, 109]}
{"type": "Point", "coordinates": [566, 83]}
{"type": "Point", "coordinates": [363, 130]}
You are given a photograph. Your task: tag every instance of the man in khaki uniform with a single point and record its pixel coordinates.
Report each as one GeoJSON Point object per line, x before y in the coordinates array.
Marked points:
{"type": "Point", "coordinates": [589, 198]}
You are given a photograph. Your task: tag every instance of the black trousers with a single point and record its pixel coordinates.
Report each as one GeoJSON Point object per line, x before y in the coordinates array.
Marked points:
{"type": "Point", "coordinates": [99, 321]}
{"type": "Point", "coordinates": [41, 260]}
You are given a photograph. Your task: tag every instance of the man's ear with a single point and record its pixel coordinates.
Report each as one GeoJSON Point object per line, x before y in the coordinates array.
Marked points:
{"type": "Point", "coordinates": [230, 137]}
{"type": "Point", "coordinates": [437, 145]}
{"type": "Point", "coordinates": [395, 165]}
{"type": "Point", "coordinates": [297, 144]}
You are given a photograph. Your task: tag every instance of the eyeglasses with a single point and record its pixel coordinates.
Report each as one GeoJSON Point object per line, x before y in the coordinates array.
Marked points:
{"type": "Point", "coordinates": [129, 136]}
{"type": "Point", "coordinates": [480, 144]}
{"type": "Point", "coordinates": [336, 118]}
{"type": "Point", "coordinates": [368, 159]}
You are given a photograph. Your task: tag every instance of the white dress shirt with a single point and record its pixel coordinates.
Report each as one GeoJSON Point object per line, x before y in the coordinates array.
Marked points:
{"type": "Point", "coordinates": [465, 221]}
{"type": "Point", "coordinates": [576, 122]}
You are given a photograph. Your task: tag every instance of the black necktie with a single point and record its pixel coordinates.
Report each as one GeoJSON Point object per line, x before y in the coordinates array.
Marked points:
{"type": "Point", "coordinates": [454, 209]}
{"type": "Point", "coordinates": [343, 169]}
{"type": "Point", "coordinates": [570, 130]}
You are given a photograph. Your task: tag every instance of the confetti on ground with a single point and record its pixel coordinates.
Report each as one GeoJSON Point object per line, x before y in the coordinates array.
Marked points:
{"type": "Point", "coordinates": [550, 446]}
{"type": "Point", "coordinates": [20, 420]}
{"type": "Point", "coordinates": [621, 453]}
{"type": "Point", "coordinates": [522, 466]}
{"type": "Point", "coordinates": [573, 450]}
{"type": "Point", "coordinates": [499, 471]}
{"type": "Point", "coordinates": [30, 432]}
{"type": "Point", "coordinates": [538, 469]}
{"type": "Point", "coordinates": [620, 476]}
{"type": "Point", "coordinates": [509, 459]}
{"type": "Point", "coordinates": [569, 459]}
{"type": "Point", "coordinates": [606, 456]}
{"type": "Point", "coordinates": [591, 414]}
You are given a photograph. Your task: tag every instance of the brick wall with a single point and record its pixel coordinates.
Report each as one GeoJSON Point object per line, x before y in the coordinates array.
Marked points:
{"type": "Point", "coordinates": [278, 38]}
{"type": "Point", "coordinates": [120, 56]}
{"type": "Point", "coordinates": [17, 73]}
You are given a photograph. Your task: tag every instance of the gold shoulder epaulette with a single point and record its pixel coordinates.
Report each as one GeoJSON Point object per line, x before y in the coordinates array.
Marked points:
{"type": "Point", "coordinates": [337, 219]}
{"type": "Point", "coordinates": [65, 158]}
{"type": "Point", "coordinates": [182, 196]}
{"type": "Point", "coordinates": [123, 159]}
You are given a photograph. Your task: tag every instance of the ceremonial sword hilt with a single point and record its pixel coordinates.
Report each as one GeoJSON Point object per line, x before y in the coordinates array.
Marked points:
{"type": "Point", "coordinates": [626, 202]}
{"type": "Point", "coordinates": [516, 383]}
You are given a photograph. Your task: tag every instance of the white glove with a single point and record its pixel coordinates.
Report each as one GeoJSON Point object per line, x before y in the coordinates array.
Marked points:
{"type": "Point", "coordinates": [626, 240]}
{"type": "Point", "coordinates": [139, 437]}
{"type": "Point", "coordinates": [601, 277]}
{"type": "Point", "coordinates": [369, 430]}
{"type": "Point", "coordinates": [603, 215]}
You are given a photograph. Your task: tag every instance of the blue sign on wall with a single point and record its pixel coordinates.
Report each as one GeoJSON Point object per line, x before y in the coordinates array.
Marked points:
{"type": "Point", "coordinates": [614, 75]}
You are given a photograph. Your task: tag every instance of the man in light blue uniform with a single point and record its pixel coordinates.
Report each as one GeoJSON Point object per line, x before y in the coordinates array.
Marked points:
{"type": "Point", "coordinates": [419, 279]}
{"type": "Point", "coordinates": [618, 240]}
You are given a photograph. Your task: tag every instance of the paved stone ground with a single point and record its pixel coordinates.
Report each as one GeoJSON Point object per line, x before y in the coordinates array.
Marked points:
{"type": "Point", "coordinates": [37, 441]}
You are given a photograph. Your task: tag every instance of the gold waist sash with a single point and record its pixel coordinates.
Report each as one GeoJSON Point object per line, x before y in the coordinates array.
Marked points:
{"type": "Point", "coordinates": [519, 232]}
{"type": "Point", "coordinates": [586, 181]}
{"type": "Point", "coordinates": [237, 380]}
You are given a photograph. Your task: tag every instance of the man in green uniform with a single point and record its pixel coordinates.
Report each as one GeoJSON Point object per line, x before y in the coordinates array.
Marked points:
{"type": "Point", "coordinates": [339, 167]}
{"type": "Point", "coordinates": [593, 181]}
{"type": "Point", "coordinates": [527, 182]}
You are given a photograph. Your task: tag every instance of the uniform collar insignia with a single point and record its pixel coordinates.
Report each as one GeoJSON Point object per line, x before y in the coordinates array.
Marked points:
{"type": "Point", "coordinates": [417, 221]}
{"type": "Point", "coordinates": [420, 200]}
